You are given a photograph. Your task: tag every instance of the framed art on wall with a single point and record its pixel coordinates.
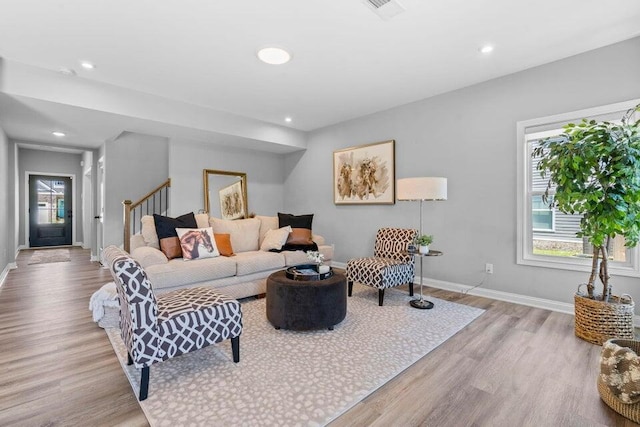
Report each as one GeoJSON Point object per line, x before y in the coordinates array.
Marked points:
{"type": "Point", "coordinates": [231, 201]}
{"type": "Point", "coordinates": [365, 174]}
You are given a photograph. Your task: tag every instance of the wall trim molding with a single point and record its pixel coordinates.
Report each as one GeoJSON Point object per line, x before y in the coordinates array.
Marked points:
{"type": "Point", "coordinates": [546, 304]}
{"type": "Point", "coordinates": [5, 272]}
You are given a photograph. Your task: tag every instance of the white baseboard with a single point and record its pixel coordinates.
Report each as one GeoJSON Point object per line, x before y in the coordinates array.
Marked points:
{"type": "Point", "coordinates": [5, 272]}
{"type": "Point", "coordinates": [547, 304]}
{"type": "Point", "coordinates": [94, 258]}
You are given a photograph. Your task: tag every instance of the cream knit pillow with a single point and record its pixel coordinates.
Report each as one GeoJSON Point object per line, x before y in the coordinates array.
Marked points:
{"type": "Point", "coordinates": [274, 239]}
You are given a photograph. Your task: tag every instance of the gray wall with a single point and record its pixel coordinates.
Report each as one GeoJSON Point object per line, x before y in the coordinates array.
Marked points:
{"type": "Point", "coordinates": [49, 162]}
{"type": "Point", "coordinates": [468, 136]}
{"type": "Point", "coordinates": [134, 164]}
{"type": "Point", "coordinates": [187, 160]}
{"type": "Point", "coordinates": [6, 237]}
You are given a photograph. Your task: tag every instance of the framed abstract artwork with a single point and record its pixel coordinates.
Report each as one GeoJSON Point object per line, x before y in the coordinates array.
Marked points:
{"type": "Point", "coordinates": [365, 175]}
{"type": "Point", "coordinates": [232, 201]}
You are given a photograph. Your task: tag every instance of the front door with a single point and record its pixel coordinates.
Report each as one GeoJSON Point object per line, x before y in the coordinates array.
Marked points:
{"type": "Point", "coordinates": [50, 214]}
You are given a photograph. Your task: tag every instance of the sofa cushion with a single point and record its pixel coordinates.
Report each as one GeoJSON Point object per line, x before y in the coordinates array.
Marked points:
{"type": "Point", "coordinates": [148, 232]}
{"type": "Point", "coordinates": [274, 239]}
{"type": "Point", "coordinates": [197, 243]}
{"type": "Point", "coordinates": [244, 232]}
{"type": "Point", "coordinates": [178, 273]}
{"type": "Point", "coordinates": [202, 220]}
{"type": "Point", "coordinates": [255, 261]}
{"type": "Point", "coordinates": [148, 256]}
{"type": "Point", "coordinates": [166, 230]}
{"type": "Point", "coordinates": [223, 242]}
{"type": "Point", "coordinates": [267, 223]}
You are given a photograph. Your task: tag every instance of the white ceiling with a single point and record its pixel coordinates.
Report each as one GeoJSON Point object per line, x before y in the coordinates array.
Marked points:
{"type": "Point", "coordinates": [347, 61]}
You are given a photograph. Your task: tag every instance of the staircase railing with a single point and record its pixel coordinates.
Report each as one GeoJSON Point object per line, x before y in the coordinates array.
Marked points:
{"type": "Point", "coordinates": [153, 202]}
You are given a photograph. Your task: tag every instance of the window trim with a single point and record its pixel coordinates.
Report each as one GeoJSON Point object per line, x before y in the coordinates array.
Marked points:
{"type": "Point", "coordinates": [541, 127]}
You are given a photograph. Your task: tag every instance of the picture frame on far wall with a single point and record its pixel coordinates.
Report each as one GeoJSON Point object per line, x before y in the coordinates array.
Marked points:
{"type": "Point", "coordinates": [365, 174]}
{"type": "Point", "coordinates": [232, 202]}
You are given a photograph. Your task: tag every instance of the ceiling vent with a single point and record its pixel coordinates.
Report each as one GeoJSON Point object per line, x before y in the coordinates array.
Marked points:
{"type": "Point", "coordinates": [385, 9]}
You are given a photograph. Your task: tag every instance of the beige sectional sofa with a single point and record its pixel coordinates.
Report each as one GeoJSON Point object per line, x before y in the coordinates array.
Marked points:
{"type": "Point", "coordinates": [238, 276]}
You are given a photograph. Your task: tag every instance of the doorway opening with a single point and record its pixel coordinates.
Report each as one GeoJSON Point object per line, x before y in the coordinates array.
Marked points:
{"type": "Point", "coordinates": [50, 210]}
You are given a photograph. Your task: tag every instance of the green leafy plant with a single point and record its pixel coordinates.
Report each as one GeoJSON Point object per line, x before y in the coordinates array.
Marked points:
{"type": "Point", "coordinates": [424, 240]}
{"type": "Point", "coordinates": [595, 169]}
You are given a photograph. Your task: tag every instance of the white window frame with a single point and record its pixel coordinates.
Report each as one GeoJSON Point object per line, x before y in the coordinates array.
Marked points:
{"type": "Point", "coordinates": [547, 126]}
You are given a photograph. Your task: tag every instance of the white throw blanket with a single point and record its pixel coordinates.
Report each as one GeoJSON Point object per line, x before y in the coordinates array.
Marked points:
{"type": "Point", "coordinates": [106, 296]}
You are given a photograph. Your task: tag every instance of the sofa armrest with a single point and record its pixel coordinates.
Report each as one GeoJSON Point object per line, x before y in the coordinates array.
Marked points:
{"type": "Point", "coordinates": [148, 256]}
{"type": "Point", "coordinates": [318, 239]}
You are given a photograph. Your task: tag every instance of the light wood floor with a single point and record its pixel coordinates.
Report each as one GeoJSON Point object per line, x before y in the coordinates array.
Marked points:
{"type": "Point", "coordinates": [514, 366]}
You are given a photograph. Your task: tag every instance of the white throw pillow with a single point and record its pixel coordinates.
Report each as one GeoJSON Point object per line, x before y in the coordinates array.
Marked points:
{"type": "Point", "coordinates": [244, 232]}
{"type": "Point", "coordinates": [274, 239]}
{"type": "Point", "coordinates": [197, 243]}
{"type": "Point", "coordinates": [267, 223]}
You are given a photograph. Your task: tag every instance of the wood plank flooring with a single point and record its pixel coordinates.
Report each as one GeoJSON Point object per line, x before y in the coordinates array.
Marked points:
{"type": "Point", "coordinates": [514, 366]}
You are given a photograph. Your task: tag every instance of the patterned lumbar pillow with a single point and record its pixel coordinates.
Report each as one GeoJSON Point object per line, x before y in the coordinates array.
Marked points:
{"type": "Point", "coordinates": [166, 230]}
{"type": "Point", "coordinates": [197, 243]}
{"type": "Point", "coordinates": [274, 239]}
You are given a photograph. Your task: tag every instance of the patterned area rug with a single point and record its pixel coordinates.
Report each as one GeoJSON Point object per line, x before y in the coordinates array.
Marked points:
{"type": "Point", "coordinates": [44, 256]}
{"type": "Point", "coordinates": [296, 378]}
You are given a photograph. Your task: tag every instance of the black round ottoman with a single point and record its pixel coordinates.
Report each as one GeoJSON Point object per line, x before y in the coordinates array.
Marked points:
{"type": "Point", "coordinates": [301, 305]}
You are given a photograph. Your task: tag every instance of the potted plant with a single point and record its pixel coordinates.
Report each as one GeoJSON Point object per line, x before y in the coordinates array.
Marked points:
{"type": "Point", "coordinates": [594, 169]}
{"type": "Point", "coordinates": [423, 242]}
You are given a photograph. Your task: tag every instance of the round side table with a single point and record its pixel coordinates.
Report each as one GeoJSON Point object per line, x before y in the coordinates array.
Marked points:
{"type": "Point", "coordinates": [422, 303]}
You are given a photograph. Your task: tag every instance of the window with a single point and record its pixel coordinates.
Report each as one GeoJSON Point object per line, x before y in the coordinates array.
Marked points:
{"type": "Point", "coordinates": [542, 216]}
{"type": "Point", "coordinates": [546, 236]}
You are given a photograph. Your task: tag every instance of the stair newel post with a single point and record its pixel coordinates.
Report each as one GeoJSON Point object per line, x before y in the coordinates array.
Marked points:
{"type": "Point", "coordinates": [127, 224]}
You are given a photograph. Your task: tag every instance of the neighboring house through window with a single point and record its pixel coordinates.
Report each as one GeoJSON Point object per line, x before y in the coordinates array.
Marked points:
{"type": "Point", "coordinates": [546, 236]}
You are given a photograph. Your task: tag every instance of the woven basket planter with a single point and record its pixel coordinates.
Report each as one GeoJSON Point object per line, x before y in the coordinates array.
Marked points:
{"type": "Point", "coordinates": [627, 410]}
{"type": "Point", "coordinates": [598, 321]}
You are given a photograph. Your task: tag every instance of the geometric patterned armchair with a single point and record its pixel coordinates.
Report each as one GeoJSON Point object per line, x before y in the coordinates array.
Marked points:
{"type": "Point", "coordinates": [390, 265]}
{"type": "Point", "coordinates": [154, 329]}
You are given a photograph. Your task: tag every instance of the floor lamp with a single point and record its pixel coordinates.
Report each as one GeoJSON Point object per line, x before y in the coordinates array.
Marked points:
{"type": "Point", "coordinates": [422, 189]}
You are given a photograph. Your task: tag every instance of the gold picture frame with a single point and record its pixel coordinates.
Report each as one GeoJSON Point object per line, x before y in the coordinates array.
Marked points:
{"type": "Point", "coordinates": [224, 183]}
{"type": "Point", "coordinates": [365, 174]}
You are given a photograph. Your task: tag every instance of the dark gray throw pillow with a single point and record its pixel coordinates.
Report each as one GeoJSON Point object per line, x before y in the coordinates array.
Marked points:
{"type": "Point", "coordinates": [166, 230]}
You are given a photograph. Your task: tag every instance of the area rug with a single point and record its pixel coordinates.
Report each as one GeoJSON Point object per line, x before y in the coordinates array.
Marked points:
{"type": "Point", "coordinates": [45, 256]}
{"type": "Point", "coordinates": [296, 378]}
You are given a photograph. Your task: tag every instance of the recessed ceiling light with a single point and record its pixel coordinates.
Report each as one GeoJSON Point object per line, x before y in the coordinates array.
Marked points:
{"type": "Point", "coordinates": [58, 134]}
{"type": "Point", "coordinates": [87, 65]}
{"type": "Point", "coordinates": [288, 119]}
{"type": "Point", "coordinates": [486, 49]}
{"type": "Point", "coordinates": [274, 55]}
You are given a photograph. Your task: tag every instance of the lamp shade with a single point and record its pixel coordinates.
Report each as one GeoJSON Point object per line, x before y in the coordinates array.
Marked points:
{"type": "Point", "coordinates": [423, 188]}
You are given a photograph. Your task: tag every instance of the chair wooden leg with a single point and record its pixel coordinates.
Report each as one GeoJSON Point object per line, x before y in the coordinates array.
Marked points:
{"type": "Point", "coordinates": [350, 283]}
{"type": "Point", "coordinates": [235, 348]}
{"type": "Point", "coordinates": [129, 359]}
{"type": "Point", "coordinates": [380, 297]}
{"type": "Point", "coordinates": [410, 289]}
{"type": "Point", "coordinates": [144, 384]}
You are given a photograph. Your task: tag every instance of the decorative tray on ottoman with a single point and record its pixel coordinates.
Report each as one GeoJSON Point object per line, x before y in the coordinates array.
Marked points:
{"type": "Point", "coordinates": [307, 272]}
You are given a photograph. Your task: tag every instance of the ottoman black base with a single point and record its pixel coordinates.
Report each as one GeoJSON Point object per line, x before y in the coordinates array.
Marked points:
{"type": "Point", "coordinates": [303, 305]}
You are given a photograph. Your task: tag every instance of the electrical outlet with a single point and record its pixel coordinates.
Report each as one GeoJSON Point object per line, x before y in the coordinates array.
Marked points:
{"type": "Point", "coordinates": [488, 268]}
